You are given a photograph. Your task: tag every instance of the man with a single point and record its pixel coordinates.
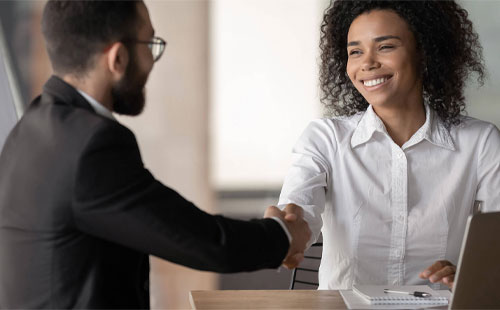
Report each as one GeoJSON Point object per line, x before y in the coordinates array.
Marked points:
{"type": "Point", "coordinates": [78, 211]}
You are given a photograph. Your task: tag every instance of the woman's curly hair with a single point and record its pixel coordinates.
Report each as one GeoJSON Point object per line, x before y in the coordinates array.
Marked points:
{"type": "Point", "coordinates": [445, 38]}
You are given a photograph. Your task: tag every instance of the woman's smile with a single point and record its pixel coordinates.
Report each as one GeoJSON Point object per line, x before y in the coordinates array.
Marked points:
{"type": "Point", "coordinates": [375, 83]}
{"type": "Point", "coordinates": [383, 62]}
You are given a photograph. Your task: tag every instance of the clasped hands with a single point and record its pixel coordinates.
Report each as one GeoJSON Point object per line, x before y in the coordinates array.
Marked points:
{"type": "Point", "coordinates": [293, 217]}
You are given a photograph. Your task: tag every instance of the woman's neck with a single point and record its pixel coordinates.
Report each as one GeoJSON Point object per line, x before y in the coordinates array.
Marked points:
{"type": "Point", "coordinates": [402, 121]}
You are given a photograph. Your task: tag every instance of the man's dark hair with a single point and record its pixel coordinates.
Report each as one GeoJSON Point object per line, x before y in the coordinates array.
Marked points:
{"type": "Point", "coordinates": [445, 38]}
{"type": "Point", "coordinates": [75, 31]}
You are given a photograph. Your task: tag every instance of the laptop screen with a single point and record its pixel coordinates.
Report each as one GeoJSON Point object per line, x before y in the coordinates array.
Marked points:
{"type": "Point", "coordinates": [477, 280]}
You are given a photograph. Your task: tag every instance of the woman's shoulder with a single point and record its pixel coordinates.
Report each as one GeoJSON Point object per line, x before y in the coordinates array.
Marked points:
{"type": "Point", "coordinates": [474, 129]}
{"type": "Point", "coordinates": [472, 125]}
{"type": "Point", "coordinates": [336, 123]}
{"type": "Point", "coordinates": [333, 131]}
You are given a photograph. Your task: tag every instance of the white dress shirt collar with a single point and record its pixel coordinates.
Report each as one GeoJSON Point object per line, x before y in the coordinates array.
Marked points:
{"type": "Point", "coordinates": [98, 108]}
{"type": "Point", "coordinates": [433, 130]}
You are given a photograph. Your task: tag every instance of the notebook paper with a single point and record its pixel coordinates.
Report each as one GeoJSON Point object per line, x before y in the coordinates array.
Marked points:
{"type": "Point", "coordinates": [354, 301]}
{"type": "Point", "coordinates": [374, 294]}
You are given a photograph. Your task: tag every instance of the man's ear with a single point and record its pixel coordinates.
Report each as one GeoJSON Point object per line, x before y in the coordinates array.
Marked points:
{"type": "Point", "coordinates": [118, 59]}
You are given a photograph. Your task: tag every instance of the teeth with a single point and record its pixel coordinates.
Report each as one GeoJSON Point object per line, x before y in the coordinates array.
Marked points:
{"type": "Point", "coordinates": [374, 82]}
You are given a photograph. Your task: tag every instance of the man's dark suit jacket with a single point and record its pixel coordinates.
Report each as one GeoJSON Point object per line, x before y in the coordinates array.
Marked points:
{"type": "Point", "coordinates": [79, 213]}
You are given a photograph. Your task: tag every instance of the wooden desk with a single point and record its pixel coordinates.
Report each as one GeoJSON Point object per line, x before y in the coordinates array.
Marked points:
{"type": "Point", "coordinates": [264, 299]}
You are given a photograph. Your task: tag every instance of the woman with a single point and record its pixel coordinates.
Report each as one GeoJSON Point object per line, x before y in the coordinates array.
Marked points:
{"type": "Point", "coordinates": [391, 179]}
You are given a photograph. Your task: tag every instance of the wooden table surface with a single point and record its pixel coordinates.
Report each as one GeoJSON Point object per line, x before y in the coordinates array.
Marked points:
{"type": "Point", "coordinates": [266, 299]}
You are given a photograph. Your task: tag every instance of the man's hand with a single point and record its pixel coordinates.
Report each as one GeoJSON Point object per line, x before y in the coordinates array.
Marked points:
{"type": "Point", "coordinates": [293, 217]}
{"type": "Point", "coordinates": [441, 271]}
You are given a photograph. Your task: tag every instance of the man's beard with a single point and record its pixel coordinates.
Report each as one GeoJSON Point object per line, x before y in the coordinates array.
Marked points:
{"type": "Point", "coordinates": [128, 94]}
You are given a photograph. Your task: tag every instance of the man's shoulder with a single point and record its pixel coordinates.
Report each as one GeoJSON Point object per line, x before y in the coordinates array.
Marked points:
{"type": "Point", "coordinates": [72, 127]}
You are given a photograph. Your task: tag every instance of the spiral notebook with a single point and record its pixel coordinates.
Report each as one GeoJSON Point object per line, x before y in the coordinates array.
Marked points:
{"type": "Point", "coordinates": [374, 294]}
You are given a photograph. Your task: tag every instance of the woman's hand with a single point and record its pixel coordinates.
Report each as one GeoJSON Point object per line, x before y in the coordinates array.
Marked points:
{"type": "Point", "coordinates": [441, 271]}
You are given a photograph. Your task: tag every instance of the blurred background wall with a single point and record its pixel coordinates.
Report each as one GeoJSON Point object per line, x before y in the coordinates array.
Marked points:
{"type": "Point", "coordinates": [235, 88]}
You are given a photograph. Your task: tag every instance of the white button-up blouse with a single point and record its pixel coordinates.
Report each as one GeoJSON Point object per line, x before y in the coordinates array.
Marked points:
{"type": "Point", "coordinates": [388, 212]}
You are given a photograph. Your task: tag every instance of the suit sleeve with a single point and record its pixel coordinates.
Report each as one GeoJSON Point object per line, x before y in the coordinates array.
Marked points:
{"type": "Point", "coordinates": [117, 199]}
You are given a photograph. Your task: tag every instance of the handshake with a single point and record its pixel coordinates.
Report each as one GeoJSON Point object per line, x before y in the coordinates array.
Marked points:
{"type": "Point", "coordinates": [293, 217]}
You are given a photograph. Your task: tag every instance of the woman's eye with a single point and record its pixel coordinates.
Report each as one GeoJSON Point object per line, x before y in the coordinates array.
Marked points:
{"type": "Point", "coordinates": [354, 52]}
{"type": "Point", "coordinates": [385, 47]}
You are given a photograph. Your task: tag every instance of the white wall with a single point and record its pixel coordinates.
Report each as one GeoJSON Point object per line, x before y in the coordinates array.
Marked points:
{"type": "Point", "coordinates": [264, 87]}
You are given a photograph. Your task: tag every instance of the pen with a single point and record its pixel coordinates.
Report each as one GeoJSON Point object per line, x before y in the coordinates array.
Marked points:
{"type": "Point", "coordinates": [416, 293]}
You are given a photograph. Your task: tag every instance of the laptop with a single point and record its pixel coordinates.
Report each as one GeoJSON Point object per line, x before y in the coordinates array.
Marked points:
{"type": "Point", "coordinates": [477, 280]}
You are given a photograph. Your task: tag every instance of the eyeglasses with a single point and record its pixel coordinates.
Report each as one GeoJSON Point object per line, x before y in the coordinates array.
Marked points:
{"type": "Point", "coordinates": [156, 45]}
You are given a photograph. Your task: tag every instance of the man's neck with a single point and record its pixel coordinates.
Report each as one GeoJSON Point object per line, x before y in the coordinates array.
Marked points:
{"type": "Point", "coordinates": [93, 87]}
